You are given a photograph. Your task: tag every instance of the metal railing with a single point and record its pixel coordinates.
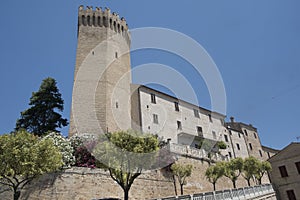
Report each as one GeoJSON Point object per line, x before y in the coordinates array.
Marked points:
{"type": "Point", "coordinates": [195, 153]}
{"type": "Point", "coordinates": [235, 194]}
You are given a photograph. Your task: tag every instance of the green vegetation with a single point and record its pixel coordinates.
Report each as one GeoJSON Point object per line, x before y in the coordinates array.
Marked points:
{"type": "Point", "coordinates": [24, 157]}
{"type": "Point", "coordinates": [255, 169]}
{"type": "Point", "coordinates": [125, 155]}
{"type": "Point", "coordinates": [214, 172]}
{"type": "Point", "coordinates": [181, 172]}
{"type": "Point", "coordinates": [233, 169]}
{"type": "Point", "coordinates": [250, 168]}
{"type": "Point", "coordinates": [261, 169]}
{"type": "Point", "coordinates": [42, 117]}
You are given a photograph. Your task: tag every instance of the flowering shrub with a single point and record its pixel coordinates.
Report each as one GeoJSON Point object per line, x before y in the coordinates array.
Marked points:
{"type": "Point", "coordinates": [83, 146]}
{"type": "Point", "coordinates": [64, 146]}
{"type": "Point", "coordinates": [84, 158]}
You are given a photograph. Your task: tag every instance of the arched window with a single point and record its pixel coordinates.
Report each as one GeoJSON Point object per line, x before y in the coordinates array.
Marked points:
{"type": "Point", "coordinates": [110, 23]}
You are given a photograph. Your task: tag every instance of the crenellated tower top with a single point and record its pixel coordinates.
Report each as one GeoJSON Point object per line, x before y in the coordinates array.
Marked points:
{"type": "Point", "coordinates": [102, 18]}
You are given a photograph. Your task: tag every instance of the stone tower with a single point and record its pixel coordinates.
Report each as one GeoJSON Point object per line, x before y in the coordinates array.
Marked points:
{"type": "Point", "coordinates": [101, 90]}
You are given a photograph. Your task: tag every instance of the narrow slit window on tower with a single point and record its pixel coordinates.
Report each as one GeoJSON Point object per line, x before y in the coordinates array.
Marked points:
{"type": "Point", "coordinates": [255, 135]}
{"type": "Point", "coordinates": [155, 118]}
{"type": "Point", "coordinates": [196, 113]}
{"type": "Point", "coordinates": [176, 106]}
{"type": "Point", "coordinates": [117, 105]}
{"type": "Point", "coordinates": [260, 153]}
{"type": "Point", "coordinates": [116, 54]}
{"type": "Point", "coordinates": [214, 135]}
{"type": "Point", "coordinates": [153, 98]}
{"type": "Point", "coordinates": [238, 146]}
{"type": "Point", "coordinates": [179, 125]}
{"type": "Point", "coordinates": [250, 146]}
{"type": "Point", "coordinates": [210, 118]}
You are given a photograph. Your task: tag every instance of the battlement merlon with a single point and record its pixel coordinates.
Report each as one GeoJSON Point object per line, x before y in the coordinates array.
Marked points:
{"type": "Point", "coordinates": [99, 17]}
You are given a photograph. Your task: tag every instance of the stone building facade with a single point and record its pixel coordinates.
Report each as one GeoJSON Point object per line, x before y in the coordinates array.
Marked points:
{"type": "Point", "coordinates": [285, 174]}
{"type": "Point", "coordinates": [104, 100]}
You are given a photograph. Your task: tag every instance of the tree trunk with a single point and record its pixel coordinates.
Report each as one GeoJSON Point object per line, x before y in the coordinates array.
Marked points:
{"type": "Point", "coordinates": [174, 182]}
{"type": "Point", "coordinates": [259, 181]}
{"type": "Point", "coordinates": [234, 184]}
{"type": "Point", "coordinates": [214, 186]}
{"type": "Point", "coordinates": [181, 189]}
{"type": "Point", "coordinates": [17, 194]}
{"type": "Point", "coordinates": [126, 191]}
{"type": "Point", "coordinates": [248, 181]}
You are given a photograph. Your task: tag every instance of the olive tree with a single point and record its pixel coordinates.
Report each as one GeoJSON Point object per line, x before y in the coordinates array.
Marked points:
{"type": "Point", "coordinates": [214, 172]}
{"type": "Point", "coordinates": [181, 171]}
{"type": "Point", "coordinates": [249, 168]}
{"type": "Point", "coordinates": [262, 168]}
{"type": "Point", "coordinates": [125, 154]}
{"type": "Point", "coordinates": [233, 169]}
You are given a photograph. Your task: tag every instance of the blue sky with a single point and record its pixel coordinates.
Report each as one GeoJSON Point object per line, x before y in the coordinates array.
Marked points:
{"type": "Point", "coordinates": [255, 45]}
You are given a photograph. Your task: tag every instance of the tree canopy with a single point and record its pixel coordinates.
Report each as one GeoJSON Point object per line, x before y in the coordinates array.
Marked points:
{"type": "Point", "coordinates": [262, 168]}
{"type": "Point", "coordinates": [181, 172]}
{"type": "Point", "coordinates": [42, 117]}
{"type": "Point", "coordinates": [214, 172]}
{"type": "Point", "coordinates": [233, 169]}
{"type": "Point", "coordinates": [24, 157]}
{"type": "Point", "coordinates": [125, 154]}
{"type": "Point", "coordinates": [250, 168]}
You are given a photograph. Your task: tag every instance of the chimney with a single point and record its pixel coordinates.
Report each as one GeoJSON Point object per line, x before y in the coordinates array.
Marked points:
{"type": "Point", "coordinates": [232, 119]}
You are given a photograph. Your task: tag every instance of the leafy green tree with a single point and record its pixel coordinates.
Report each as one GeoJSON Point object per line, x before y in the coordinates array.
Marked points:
{"type": "Point", "coordinates": [249, 168]}
{"type": "Point", "coordinates": [181, 172]}
{"type": "Point", "coordinates": [233, 169]}
{"type": "Point", "coordinates": [42, 117]}
{"type": "Point", "coordinates": [262, 168]}
{"type": "Point", "coordinates": [24, 157]}
{"type": "Point", "coordinates": [125, 154]}
{"type": "Point", "coordinates": [214, 172]}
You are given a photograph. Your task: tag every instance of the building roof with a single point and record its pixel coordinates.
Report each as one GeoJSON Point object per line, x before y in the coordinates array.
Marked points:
{"type": "Point", "coordinates": [269, 149]}
{"type": "Point", "coordinates": [180, 100]}
{"type": "Point", "coordinates": [289, 151]}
